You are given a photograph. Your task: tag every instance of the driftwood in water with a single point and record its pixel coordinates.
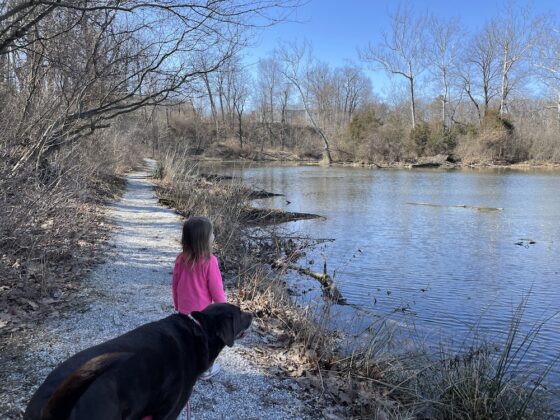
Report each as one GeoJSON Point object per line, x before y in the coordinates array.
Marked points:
{"type": "Point", "coordinates": [426, 165]}
{"type": "Point", "coordinates": [433, 162]}
{"type": "Point", "coordinates": [256, 216]}
{"type": "Point", "coordinates": [462, 206]}
{"type": "Point", "coordinates": [262, 194]}
{"type": "Point", "coordinates": [327, 283]}
{"type": "Point", "coordinates": [525, 242]}
{"type": "Point", "coordinates": [216, 177]}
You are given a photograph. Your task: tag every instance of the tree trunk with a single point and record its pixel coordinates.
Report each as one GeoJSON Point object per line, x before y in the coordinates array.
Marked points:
{"type": "Point", "coordinates": [558, 111]}
{"type": "Point", "coordinates": [212, 105]}
{"type": "Point", "coordinates": [239, 118]}
{"type": "Point", "coordinates": [503, 104]}
{"type": "Point", "coordinates": [326, 145]}
{"type": "Point", "coordinates": [282, 128]}
{"type": "Point", "coordinates": [444, 101]}
{"type": "Point", "coordinates": [412, 104]}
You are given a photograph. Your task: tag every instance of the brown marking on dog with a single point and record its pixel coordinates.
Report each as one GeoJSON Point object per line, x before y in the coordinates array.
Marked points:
{"type": "Point", "coordinates": [62, 400]}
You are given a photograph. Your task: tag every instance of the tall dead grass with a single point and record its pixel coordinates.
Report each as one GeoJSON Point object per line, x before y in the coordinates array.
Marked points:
{"type": "Point", "coordinates": [180, 186]}
{"type": "Point", "coordinates": [373, 375]}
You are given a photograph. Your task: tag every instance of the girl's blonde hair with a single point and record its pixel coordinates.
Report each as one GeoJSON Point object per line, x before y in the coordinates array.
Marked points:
{"type": "Point", "coordinates": [196, 239]}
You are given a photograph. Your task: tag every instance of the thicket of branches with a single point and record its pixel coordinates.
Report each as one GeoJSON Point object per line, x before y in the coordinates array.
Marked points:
{"type": "Point", "coordinates": [79, 81]}
{"type": "Point", "coordinates": [491, 94]}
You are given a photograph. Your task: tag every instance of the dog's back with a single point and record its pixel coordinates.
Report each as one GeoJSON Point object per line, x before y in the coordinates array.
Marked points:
{"type": "Point", "coordinates": [148, 360]}
{"type": "Point", "coordinates": [149, 371]}
{"type": "Point", "coordinates": [63, 399]}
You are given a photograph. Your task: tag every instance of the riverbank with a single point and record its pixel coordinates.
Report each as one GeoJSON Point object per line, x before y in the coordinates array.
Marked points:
{"type": "Point", "coordinates": [130, 288]}
{"type": "Point", "coordinates": [378, 374]}
{"type": "Point", "coordinates": [228, 154]}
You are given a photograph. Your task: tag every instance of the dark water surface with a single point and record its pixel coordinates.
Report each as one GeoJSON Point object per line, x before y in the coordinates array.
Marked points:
{"type": "Point", "coordinates": [447, 270]}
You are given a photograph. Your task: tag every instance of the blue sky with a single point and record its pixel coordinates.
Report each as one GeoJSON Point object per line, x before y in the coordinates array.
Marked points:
{"type": "Point", "coordinates": [337, 28]}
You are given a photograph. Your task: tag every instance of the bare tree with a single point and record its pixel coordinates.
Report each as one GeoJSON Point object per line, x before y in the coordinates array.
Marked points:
{"type": "Point", "coordinates": [284, 98]}
{"type": "Point", "coordinates": [480, 70]}
{"type": "Point", "coordinates": [354, 90]}
{"type": "Point", "coordinates": [268, 84]}
{"type": "Point", "coordinates": [321, 88]}
{"type": "Point", "coordinates": [516, 33]}
{"type": "Point", "coordinates": [296, 68]}
{"type": "Point", "coordinates": [335, 94]}
{"type": "Point", "coordinates": [240, 94]}
{"type": "Point", "coordinates": [547, 61]}
{"type": "Point", "coordinates": [445, 42]}
{"type": "Point", "coordinates": [268, 81]}
{"type": "Point", "coordinates": [205, 76]}
{"type": "Point", "coordinates": [81, 64]}
{"type": "Point", "coordinates": [402, 51]}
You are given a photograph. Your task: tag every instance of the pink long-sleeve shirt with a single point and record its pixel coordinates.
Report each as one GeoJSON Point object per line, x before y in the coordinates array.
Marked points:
{"type": "Point", "coordinates": [196, 287]}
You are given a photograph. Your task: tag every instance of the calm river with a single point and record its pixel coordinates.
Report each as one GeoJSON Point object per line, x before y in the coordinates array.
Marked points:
{"type": "Point", "coordinates": [452, 272]}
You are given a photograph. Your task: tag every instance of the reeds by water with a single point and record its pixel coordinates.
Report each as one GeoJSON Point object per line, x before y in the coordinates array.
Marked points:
{"type": "Point", "coordinates": [374, 377]}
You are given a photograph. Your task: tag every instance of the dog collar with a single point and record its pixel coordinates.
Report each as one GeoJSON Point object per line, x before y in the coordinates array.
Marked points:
{"type": "Point", "coordinates": [193, 319]}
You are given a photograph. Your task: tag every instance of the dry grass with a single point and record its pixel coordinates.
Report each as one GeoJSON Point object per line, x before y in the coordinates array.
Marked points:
{"type": "Point", "coordinates": [370, 378]}
{"type": "Point", "coordinates": [223, 202]}
{"type": "Point", "coordinates": [375, 376]}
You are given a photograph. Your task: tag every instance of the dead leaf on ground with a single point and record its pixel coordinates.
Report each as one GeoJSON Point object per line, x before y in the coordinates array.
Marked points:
{"type": "Point", "coordinates": [33, 305]}
{"type": "Point", "coordinates": [330, 413]}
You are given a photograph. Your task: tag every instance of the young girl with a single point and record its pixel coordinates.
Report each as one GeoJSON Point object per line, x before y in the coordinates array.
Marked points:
{"type": "Point", "coordinates": [197, 281]}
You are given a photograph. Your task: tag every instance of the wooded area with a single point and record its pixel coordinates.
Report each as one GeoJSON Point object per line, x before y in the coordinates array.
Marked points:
{"type": "Point", "coordinates": [490, 95]}
{"type": "Point", "coordinates": [74, 74]}
{"type": "Point", "coordinates": [80, 83]}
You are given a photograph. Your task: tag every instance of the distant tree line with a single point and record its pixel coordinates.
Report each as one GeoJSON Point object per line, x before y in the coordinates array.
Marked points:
{"type": "Point", "coordinates": [487, 95]}
{"type": "Point", "coordinates": [71, 71]}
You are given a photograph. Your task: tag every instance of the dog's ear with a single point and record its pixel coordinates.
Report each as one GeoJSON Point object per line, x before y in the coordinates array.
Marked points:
{"type": "Point", "coordinates": [226, 329]}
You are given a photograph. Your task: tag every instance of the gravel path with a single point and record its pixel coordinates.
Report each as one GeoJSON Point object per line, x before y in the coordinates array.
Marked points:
{"type": "Point", "coordinates": [131, 288]}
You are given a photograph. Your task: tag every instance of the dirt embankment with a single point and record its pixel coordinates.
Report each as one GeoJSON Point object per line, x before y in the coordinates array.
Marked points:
{"type": "Point", "coordinates": [225, 153]}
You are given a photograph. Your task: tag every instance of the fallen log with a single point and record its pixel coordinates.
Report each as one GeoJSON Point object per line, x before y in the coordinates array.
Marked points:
{"type": "Point", "coordinates": [257, 216]}
{"type": "Point", "coordinates": [256, 194]}
{"type": "Point", "coordinates": [425, 165]}
{"type": "Point", "coordinates": [462, 206]}
{"type": "Point", "coordinates": [216, 177]}
{"type": "Point", "coordinates": [327, 283]}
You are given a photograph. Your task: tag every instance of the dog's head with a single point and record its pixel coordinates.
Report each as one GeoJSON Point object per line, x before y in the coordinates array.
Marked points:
{"type": "Point", "coordinates": [227, 321]}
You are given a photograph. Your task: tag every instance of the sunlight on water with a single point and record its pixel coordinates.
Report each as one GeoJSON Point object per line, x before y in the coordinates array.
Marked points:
{"type": "Point", "coordinates": [449, 252]}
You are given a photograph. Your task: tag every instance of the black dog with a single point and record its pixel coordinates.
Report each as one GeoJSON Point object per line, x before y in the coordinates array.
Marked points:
{"type": "Point", "coordinates": [149, 371]}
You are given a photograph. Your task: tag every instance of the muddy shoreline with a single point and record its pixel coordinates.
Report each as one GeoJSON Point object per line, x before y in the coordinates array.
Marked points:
{"type": "Point", "coordinates": [434, 162]}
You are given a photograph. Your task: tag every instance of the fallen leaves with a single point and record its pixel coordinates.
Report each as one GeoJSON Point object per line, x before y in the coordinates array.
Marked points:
{"type": "Point", "coordinates": [291, 347]}
{"type": "Point", "coordinates": [38, 281]}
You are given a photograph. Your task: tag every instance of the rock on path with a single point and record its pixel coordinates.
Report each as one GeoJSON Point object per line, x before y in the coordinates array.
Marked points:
{"type": "Point", "coordinates": [132, 287]}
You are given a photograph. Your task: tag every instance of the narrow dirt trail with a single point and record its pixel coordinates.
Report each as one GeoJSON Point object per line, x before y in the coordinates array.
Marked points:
{"type": "Point", "coordinates": [130, 288]}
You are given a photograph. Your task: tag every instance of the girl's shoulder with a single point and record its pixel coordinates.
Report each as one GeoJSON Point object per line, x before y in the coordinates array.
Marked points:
{"type": "Point", "coordinates": [213, 264]}
{"type": "Point", "coordinates": [203, 264]}
{"type": "Point", "coordinates": [181, 261]}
